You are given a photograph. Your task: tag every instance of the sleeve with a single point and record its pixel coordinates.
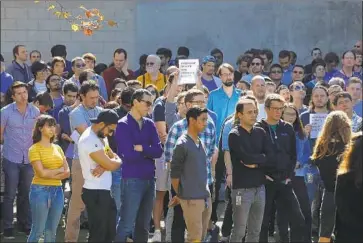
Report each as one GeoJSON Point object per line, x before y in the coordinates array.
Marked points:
{"type": "Point", "coordinates": [153, 150]}
{"type": "Point", "coordinates": [293, 156]}
{"type": "Point", "coordinates": [34, 154]}
{"type": "Point", "coordinates": [4, 117]}
{"type": "Point", "coordinates": [125, 146]}
{"type": "Point", "coordinates": [159, 113]}
{"type": "Point", "coordinates": [213, 142]}
{"type": "Point", "coordinates": [76, 119]}
{"type": "Point", "coordinates": [61, 151]}
{"type": "Point", "coordinates": [241, 154]}
{"type": "Point", "coordinates": [108, 80]}
{"type": "Point", "coordinates": [103, 89]}
{"type": "Point", "coordinates": [61, 120]}
{"type": "Point", "coordinates": [170, 142]}
{"type": "Point", "coordinates": [210, 102]}
{"type": "Point", "coordinates": [91, 145]}
{"type": "Point", "coordinates": [177, 162]}
{"type": "Point", "coordinates": [170, 113]}
{"type": "Point", "coordinates": [225, 132]}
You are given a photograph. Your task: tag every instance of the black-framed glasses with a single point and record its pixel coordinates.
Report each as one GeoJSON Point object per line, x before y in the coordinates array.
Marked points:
{"type": "Point", "coordinates": [255, 64]}
{"type": "Point", "coordinates": [280, 109]}
{"type": "Point", "coordinates": [148, 103]}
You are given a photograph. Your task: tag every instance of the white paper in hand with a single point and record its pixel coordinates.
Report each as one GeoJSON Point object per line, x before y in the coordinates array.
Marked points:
{"type": "Point", "coordinates": [316, 121]}
{"type": "Point", "coordinates": [75, 136]}
{"type": "Point", "coordinates": [188, 71]}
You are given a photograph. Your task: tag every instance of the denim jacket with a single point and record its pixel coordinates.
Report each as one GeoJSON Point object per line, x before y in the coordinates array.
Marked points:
{"type": "Point", "coordinates": [303, 150]}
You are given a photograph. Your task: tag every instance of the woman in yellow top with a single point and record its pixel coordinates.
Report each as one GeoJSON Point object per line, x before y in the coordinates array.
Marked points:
{"type": "Point", "coordinates": [46, 194]}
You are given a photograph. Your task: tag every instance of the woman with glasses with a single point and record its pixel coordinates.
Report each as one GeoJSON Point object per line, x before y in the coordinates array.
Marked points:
{"type": "Point", "coordinates": [303, 182]}
{"type": "Point", "coordinates": [154, 92]}
{"type": "Point", "coordinates": [284, 91]}
{"type": "Point", "coordinates": [46, 194]}
{"type": "Point", "coordinates": [349, 195]}
{"type": "Point", "coordinates": [38, 84]}
{"type": "Point", "coordinates": [298, 94]}
{"type": "Point", "coordinates": [330, 145]}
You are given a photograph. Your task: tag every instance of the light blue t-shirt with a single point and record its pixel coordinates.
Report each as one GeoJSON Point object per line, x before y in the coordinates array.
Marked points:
{"type": "Point", "coordinates": [79, 116]}
{"type": "Point", "coordinates": [228, 125]}
{"type": "Point", "coordinates": [358, 108]}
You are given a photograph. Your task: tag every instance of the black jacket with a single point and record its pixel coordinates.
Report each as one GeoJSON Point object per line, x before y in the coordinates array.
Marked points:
{"type": "Point", "coordinates": [284, 144]}
{"type": "Point", "coordinates": [252, 147]}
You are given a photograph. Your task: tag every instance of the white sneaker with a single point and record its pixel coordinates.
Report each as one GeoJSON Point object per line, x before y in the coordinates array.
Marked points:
{"type": "Point", "coordinates": [157, 236]}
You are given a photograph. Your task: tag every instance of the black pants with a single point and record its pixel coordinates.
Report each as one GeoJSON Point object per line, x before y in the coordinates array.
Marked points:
{"type": "Point", "coordinates": [220, 174]}
{"type": "Point", "coordinates": [178, 226]}
{"type": "Point", "coordinates": [228, 213]}
{"type": "Point", "coordinates": [299, 187]}
{"type": "Point", "coordinates": [102, 211]}
{"type": "Point", "coordinates": [285, 200]}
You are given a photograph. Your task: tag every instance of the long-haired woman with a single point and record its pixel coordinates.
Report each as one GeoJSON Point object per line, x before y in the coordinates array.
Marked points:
{"type": "Point", "coordinates": [46, 194]}
{"type": "Point", "coordinates": [303, 150]}
{"type": "Point", "coordinates": [330, 145]}
{"type": "Point", "coordinates": [349, 194]}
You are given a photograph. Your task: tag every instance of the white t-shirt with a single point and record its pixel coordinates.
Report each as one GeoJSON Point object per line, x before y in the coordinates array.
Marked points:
{"type": "Point", "coordinates": [40, 87]}
{"type": "Point", "coordinates": [261, 112]}
{"type": "Point", "coordinates": [88, 143]}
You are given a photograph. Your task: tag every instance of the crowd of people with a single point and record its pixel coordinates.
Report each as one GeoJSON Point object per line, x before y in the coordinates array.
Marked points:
{"type": "Point", "coordinates": [137, 147]}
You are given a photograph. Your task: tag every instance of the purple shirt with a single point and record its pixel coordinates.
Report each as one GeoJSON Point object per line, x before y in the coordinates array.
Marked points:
{"type": "Point", "coordinates": [340, 74]}
{"type": "Point", "coordinates": [135, 164]}
{"type": "Point", "coordinates": [18, 132]}
{"type": "Point", "coordinates": [213, 84]}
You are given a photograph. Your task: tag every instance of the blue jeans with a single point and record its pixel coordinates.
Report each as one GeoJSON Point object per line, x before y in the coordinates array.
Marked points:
{"type": "Point", "coordinates": [116, 194]}
{"type": "Point", "coordinates": [18, 178]}
{"type": "Point", "coordinates": [46, 204]}
{"type": "Point", "coordinates": [248, 209]}
{"type": "Point", "coordinates": [136, 207]}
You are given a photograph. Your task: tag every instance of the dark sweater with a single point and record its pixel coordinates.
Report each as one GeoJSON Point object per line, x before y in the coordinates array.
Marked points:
{"type": "Point", "coordinates": [328, 166]}
{"type": "Point", "coordinates": [252, 147]}
{"type": "Point", "coordinates": [349, 214]}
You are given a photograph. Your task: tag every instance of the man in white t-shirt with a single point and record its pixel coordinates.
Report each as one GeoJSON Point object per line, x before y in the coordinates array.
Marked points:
{"type": "Point", "coordinates": [97, 161]}
{"type": "Point", "coordinates": [258, 87]}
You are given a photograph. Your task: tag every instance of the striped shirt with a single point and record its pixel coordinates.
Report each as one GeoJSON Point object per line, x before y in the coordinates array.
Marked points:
{"type": "Point", "coordinates": [51, 158]}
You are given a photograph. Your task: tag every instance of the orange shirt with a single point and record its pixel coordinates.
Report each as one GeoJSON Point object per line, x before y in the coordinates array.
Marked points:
{"type": "Point", "coordinates": [160, 82]}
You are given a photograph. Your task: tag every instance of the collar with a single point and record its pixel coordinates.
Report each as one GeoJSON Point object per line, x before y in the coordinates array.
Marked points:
{"type": "Point", "coordinates": [131, 118]}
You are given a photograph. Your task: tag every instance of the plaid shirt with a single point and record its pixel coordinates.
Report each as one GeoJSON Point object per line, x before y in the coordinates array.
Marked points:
{"type": "Point", "coordinates": [356, 120]}
{"type": "Point", "coordinates": [208, 138]}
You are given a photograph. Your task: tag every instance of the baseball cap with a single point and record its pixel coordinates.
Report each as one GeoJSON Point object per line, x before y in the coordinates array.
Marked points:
{"type": "Point", "coordinates": [107, 116]}
{"type": "Point", "coordinates": [208, 59]}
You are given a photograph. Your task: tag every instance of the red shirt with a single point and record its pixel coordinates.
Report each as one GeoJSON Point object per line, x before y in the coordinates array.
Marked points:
{"type": "Point", "coordinates": [111, 73]}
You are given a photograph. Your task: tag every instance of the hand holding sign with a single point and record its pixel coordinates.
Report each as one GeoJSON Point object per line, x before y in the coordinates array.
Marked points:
{"type": "Point", "coordinates": [188, 71]}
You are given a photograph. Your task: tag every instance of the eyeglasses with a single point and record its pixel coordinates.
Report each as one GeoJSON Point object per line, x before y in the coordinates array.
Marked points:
{"type": "Point", "coordinates": [275, 71]}
{"type": "Point", "coordinates": [80, 65]}
{"type": "Point", "coordinates": [299, 72]}
{"type": "Point", "coordinates": [280, 109]}
{"type": "Point", "coordinates": [148, 103]}
{"type": "Point", "coordinates": [299, 88]}
{"type": "Point", "coordinates": [150, 64]}
{"type": "Point", "coordinates": [356, 46]}
{"type": "Point", "coordinates": [35, 56]}
{"type": "Point", "coordinates": [255, 64]}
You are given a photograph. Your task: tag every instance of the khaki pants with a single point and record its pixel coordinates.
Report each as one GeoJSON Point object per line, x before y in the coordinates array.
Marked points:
{"type": "Point", "coordinates": [76, 205]}
{"type": "Point", "coordinates": [196, 216]}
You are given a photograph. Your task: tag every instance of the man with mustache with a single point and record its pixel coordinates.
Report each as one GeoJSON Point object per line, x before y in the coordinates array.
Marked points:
{"type": "Point", "coordinates": [153, 75]}
{"type": "Point", "coordinates": [54, 87]}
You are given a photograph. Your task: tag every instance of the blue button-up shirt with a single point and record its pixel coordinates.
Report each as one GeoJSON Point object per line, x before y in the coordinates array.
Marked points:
{"type": "Point", "coordinates": [18, 131]}
{"type": "Point", "coordinates": [228, 125]}
{"type": "Point", "coordinates": [208, 138]}
{"type": "Point", "coordinates": [222, 105]}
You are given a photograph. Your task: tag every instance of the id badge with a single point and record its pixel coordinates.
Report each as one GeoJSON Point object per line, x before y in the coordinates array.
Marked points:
{"type": "Point", "coordinates": [238, 200]}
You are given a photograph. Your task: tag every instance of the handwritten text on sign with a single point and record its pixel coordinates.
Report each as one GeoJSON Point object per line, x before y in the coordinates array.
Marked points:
{"type": "Point", "coordinates": [316, 122]}
{"type": "Point", "coordinates": [188, 71]}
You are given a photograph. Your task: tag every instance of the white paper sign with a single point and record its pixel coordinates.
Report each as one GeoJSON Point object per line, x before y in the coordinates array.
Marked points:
{"type": "Point", "coordinates": [75, 136]}
{"type": "Point", "coordinates": [316, 122]}
{"type": "Point", "coordinates": [188, 71]}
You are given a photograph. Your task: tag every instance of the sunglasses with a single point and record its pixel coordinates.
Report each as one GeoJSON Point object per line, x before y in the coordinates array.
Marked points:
{"type": "Point", "coordinates": [255, 64]}
{"type": "Point", "coordinates": [275, 72]}
{"type": "Point", "coordinates": [153, 92]}
{"type": "Point", "coordinates": [55, 80]}
{"type": "Point", "coordinates": [299, 88]}
{"type": "Point", "coordinates": [80, 65]}
{"type": "Point", "coordinates": [148, 103]}
{"type": "Point", "coordinates": [299, 72]}
{"type": "Point", "coordinates": [150, 64]}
